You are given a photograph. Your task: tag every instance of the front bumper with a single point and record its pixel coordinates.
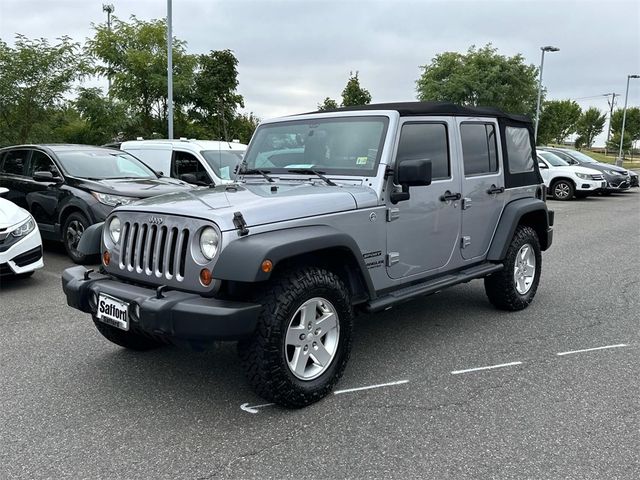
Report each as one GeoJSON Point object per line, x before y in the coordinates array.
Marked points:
{"type": "Point", "coordinates": [617, 183]}
{"type": "Point", "coordinates": [592, 186]}
{"type": "Point", "coordinates": [23, 256]}
{"type": "Point", "coordinates": [180, 317]}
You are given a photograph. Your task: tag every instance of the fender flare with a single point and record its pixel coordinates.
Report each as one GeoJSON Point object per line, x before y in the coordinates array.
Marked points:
{"type": "Point", "coordinates": [241, 260]}
{"type": "Point", "coordinates": [90, 242]}
{"type": "Point", "coordinates": [509, 221]}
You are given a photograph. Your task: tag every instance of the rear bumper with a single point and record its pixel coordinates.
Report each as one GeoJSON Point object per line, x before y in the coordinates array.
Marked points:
{"type": "Point", "coordinates": [177, 316]}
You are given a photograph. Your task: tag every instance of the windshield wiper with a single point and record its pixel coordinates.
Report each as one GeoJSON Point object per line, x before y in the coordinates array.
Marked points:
{"type": "Point", "coordinates": [310, 171]}
{"type": "Point", "coordinates": [254, 171]}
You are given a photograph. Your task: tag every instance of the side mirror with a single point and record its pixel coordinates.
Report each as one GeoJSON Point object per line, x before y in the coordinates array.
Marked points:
{"type": "Point", "coordinates": [411, 173]}
{"type": "Point", "coordinates": [189, 178]}
{"type": "Point", "coordinates": [160, 173]}
{"type": "Point", "coordinates": [43, 176]}
{"type": "Point", "coordinates": [542, 165]}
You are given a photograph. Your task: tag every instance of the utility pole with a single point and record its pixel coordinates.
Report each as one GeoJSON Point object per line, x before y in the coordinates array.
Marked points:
{"type": "Point", "coordinates": [169, 73]}
{"type": "Point", "coordinates": [612, 103]}
{"type": "Point", "coordinates": [109, 9]}
{"type": "Point", "coordinates": [548, 48]}
{"type": "Point", "coordinates": [620, 158]}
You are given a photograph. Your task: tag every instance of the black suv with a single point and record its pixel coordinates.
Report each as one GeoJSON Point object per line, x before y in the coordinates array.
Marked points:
{"type": "Point", "coordinates": [67, 188]}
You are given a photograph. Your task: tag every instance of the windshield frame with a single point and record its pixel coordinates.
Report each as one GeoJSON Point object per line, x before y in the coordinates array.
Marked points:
{"type": "Point", "coordinates": [332, 172]}
{"type": "Point", "coordinates": [60, 154]}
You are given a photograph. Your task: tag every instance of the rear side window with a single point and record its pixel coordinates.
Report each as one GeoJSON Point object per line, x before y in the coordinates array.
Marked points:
{"type": "Point", "coordinates": [15, 162]}
{"type": "Point", "coordinates": [519, 150]}
{"type": "Point", "coordinates": [479, 150]}
{"type": "Point", "coordinates": [426, 141]}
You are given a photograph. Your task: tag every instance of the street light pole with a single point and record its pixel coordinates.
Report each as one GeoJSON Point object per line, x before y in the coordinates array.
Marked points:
{"type": "Point", "coordinates": [169, 73]}
{"type": "Point", "coordinates": [109, 8]}
{"type": "Point", "coordinates": [624, 119]}
{"type": "Point", "coordinates": [548, 48]}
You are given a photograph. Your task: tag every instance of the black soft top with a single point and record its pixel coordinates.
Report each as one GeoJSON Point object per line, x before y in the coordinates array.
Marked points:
{"type": "Point", "coordinates": [407, 109]}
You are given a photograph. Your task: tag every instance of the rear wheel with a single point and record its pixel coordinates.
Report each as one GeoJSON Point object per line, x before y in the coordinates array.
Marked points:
{"type": "Point", "coordinates": [303, 339]}
{"type": "Point", "coordinates": [514, 287]}
{"type": "Point", "coordinates": [562, 190]}
{"type": "Point", "coordinates": [126, 339]}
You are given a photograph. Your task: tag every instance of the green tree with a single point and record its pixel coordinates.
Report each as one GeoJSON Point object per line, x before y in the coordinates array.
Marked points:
{"type": "Point", "coordinates": [558, 120]}
{"type": "Point", "coordinates": [353, 93]}
{"type": "Point", "coordinates": [481, 77]}
{"type": "Point", "coordinates": [215, 98]}
{"type": "Point", "coordinates": [614, 142]}
{"type": "Point", "coordinates": [589, 126]}
{"type": "Point", "coordinates": [34, 77]}
{"type": "Point", "coordinates": [328, 104]}
{"type": "Point", "coordinates": [243, 126]}
{"type": "Point", "coordinates": [631, 125]}
{"type": "Point", "coordinates": [134, 55]}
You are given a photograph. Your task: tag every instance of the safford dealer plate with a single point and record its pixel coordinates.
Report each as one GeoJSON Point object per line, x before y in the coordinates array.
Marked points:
{"type": "Point", "coordinates": [113, 312]}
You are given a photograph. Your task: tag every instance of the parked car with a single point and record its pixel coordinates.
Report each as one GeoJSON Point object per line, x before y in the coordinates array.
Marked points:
{"type": "Point", "coordinates": [67, 188]}
{"type": "Point", "coordinates": [565, 181]}
{"type": "Point", "coordinates": [20, 242]}
{"type": "Point", "coordinates": [354, 209]}
{"type": "Point", "coordinates": [200, 162]}
{"type": "Point", "coordinates": [617, 178]}
{"type": "Point", "coordinates": [633, 179]}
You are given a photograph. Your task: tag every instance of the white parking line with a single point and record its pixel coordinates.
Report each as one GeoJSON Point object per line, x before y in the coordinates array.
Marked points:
{"type": "Point", "coordinates": [369, 387]}
{"type": "Point", "coordinates": [592, 349]}
{"type": "Point", "coordinates": [254, 408]}
{"type": "Point", "coordinates": [456, 372]}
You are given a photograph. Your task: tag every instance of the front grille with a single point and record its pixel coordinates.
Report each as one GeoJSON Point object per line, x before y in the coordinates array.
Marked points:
{"type": "Point", "coordinates": [597, 177]}
{"type": "Point", "coordinates": [154, 250]}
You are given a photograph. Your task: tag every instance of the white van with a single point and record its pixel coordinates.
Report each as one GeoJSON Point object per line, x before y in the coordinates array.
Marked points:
{"type": "Point", "coordinates": [200, 162]}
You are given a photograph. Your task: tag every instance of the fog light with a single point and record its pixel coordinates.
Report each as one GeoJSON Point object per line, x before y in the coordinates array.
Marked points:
{"type": "Point", "coordinates": [205, 277]}
{"type": "Point", "coordinates": [106, 257]}
{"type": "Point", "coordinates": [267, 266]}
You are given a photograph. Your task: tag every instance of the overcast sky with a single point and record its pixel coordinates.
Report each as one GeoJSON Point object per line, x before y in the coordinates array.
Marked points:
{"type": "Point", "coordinates": [294, 53]}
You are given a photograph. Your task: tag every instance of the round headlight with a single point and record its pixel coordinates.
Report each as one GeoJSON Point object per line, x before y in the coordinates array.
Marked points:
{"type": "Point", "coordinates": [114, 229]}
{"type": "Point", "coordinates": [209, 241]}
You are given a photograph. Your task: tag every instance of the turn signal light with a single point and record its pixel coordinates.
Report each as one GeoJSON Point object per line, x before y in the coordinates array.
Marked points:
{"type": "Point", "coordinates": [205, 277]}
{"type": "Point", "coordinates": [106, 258]}
{"type": "Point", "coordinates": [267, 266]}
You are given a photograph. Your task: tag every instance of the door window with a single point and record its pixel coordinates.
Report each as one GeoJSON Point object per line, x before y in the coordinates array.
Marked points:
{"type": "Point", "coordinates": [426, 141]}
{"type": "Point", "coordinates": [15, 162]}
{"type": "Point", "coordinates": [479, 150]}
{"type": "Point", "coordinates": [519, 151]}
{"type": "Point", "coordinates": [40, 162]}
{"type": "Point", "coordinates": [186, 163]}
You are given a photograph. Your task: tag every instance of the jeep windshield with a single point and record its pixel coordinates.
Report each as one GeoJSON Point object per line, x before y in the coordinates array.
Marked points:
{"type": "Point", "coordinates": [332, 146]}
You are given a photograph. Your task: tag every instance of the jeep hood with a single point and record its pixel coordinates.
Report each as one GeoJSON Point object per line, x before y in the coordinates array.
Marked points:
{"type": "Point", "coordinates": [259, 203]}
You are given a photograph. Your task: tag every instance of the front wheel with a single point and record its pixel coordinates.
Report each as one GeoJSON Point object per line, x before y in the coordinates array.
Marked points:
{"type": "Point", "coordinates": [514, 287]}
{"type": "Point", "coordinates": [303, 339]}
{"type": "Point", "coordinates": [562, 190]}
{"type": "Point", "coordinates": [72, 230]}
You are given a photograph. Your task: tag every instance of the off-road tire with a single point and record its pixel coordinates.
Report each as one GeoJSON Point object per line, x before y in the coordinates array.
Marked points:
{"type": "Point", "coordinates": [569, 186]}
{"type": "Point", "coordinates": [263, 356]}
{"type": "Point", "coordinates": [73, 254]}
{"type": "Point", "coordinates": [126, 339]}
{"type": "Point", "coordinates": [500, 287]}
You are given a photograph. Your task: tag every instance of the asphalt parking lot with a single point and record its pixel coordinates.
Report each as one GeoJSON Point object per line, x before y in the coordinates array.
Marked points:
{"type": "Point", "coordinates": [76, 406]}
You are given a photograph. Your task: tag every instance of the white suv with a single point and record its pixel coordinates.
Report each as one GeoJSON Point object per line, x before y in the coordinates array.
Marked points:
{"type": "Point", "coordinates": [201, 162]}
{"type": "Point", "coordinates": [565, 181]}
{"type": "Point", "coordinates": [20, 242]}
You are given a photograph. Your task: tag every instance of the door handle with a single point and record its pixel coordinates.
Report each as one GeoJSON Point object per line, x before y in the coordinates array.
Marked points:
{"type": "Point", "coordinates": [495, 190]}
{"type": "Point", "coordinates": [448, 196]}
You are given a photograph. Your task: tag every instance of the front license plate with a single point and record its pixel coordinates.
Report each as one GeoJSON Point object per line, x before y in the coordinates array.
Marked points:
{"type": "Point", "coordinates": [113, 312]}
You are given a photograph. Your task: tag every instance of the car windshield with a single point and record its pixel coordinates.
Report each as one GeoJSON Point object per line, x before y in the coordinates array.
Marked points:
{"type": "Point", "coordinates": [338, 146]}
{"type": "Point", "coordinates": [103, 164]}
{"type": "Point", "coordinates": [554, 160]}
{"type": "Point", "coordinates": [581, 157]}
{"type": "Point", "coordinates": [223, 162]}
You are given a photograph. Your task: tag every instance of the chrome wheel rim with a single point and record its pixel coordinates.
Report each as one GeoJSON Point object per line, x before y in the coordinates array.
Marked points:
{"type": "Point", "coordinates": [311, 342]}
{"type": "Point", "coordinates": [525, 269]}
{"type": "Point", "coordinates": [561, 190]}
{"type": "Point", "coordinates": [74, 233]}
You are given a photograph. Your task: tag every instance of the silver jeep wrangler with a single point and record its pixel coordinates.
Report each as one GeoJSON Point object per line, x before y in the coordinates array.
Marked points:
{"type": "Point", "coordinates": [332, 213]}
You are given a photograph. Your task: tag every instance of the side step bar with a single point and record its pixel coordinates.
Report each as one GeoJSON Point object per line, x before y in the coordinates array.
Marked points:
{"type": "Point", "coordinates": [431, 286]}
